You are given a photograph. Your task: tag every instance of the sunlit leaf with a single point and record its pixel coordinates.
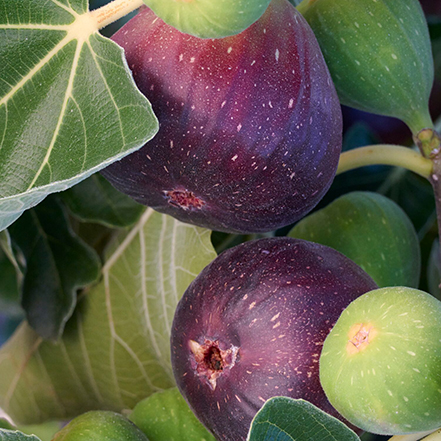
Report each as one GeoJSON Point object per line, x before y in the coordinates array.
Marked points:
{"type": "Point", "coordinates": [58, 263]}
{"type": "Point", "coordinates": [68, 103]}
{"type": "Point", "coordinates": [286, 419]}
{"type": "Point", "coordinates": [115, 350]}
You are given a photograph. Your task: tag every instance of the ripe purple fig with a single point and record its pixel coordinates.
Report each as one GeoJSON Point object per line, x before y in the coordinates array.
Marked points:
{"type": "Point", "coordinates": [252, 324]}
{"type": "Point", "coordinates": [250, 125]}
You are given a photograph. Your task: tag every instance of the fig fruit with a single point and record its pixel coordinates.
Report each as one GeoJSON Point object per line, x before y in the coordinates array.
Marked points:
{"type": "Point", "coordinates": [165, 416]}
{"type": "Point", "coordinates": [379, 55]}
{"type": "Point", "coordinates": [100, 425]}
{"type": "Point", "coordinates": [250, 125]}
{"type": "Point", "coordinates": [371, 230]}
{"type": "Point", "coordinates": [381, 364]}
{"type": "Point", "coordinates": [209, 18]}
{"type": "Point", "coordinates": [251, 327]}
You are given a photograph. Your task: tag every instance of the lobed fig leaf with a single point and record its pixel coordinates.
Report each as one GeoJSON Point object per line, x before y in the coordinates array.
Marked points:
{"type": "Point", "coordinates": [250, 125]}
{"type": "Point", "coordinates": [381, 364]}
{"type": "Point", "coordinates": [379, 55]}
{"type": "Point", "coordinates": [251, 325]}
{"type": "Point", "coordinates": [373, 231]}
{"type": "Point", "coordinates": [209, 18]}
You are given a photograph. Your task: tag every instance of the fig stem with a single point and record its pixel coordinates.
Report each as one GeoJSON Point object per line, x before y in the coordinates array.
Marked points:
{"type": "Point", "coordinates": [114, 11]}
{"type": "Point", "coordinates": [417, 436]}
{"type": "Point", "coordinates": [435, 436]}
{"type": "Point", "coordinates": [386, 154]}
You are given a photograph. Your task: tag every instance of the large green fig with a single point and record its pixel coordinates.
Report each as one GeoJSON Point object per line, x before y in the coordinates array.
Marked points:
{"type": "Point", "coordinates": [379, 55]}
{"type": "Point", "coordinates": [380, 366]}
{"type": "Point", "coordinates": [100, 425]}
{"type": "Point", "coordinates": [371, 230]}
{"type": "Point", "coordinates": [209, 18]}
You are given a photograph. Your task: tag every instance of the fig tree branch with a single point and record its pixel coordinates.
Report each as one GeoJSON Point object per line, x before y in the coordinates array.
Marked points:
{"type": "Point", "coordinates": [385, 154]}
{"type": "Point", "coordinates": [113, 11]}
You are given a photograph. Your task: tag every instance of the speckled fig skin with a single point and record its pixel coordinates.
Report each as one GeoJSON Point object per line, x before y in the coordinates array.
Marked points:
{"type": "Point", "coordinates": [250, 125]}
{"type": "Point", "coordinates": [267, 305]}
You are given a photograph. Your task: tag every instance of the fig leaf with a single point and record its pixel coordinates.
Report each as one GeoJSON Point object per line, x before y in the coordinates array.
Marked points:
{"type": "Point", "coordinates": [96, 200]}
{"type": "Point", "coordinates": [15, 435]}
{"type": "Point", "coordinates": [115, 349]}
{"type": "Point", "coordinates": [371, 230]}
{"type": "Point", "coordinates": [68, 103]}
{"type": "Point", "coordinates": [58, 263]}
{"type": "Point", "coordinates": [287, 419]}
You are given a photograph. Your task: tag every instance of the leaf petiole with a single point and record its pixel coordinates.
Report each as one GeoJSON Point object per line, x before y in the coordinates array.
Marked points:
{"type": "Point", "coordinates": [113, 11]}
{"type": "Point", "coordinates": [417, 436]}
{"type": "Point", "coordinates": [386, 154]}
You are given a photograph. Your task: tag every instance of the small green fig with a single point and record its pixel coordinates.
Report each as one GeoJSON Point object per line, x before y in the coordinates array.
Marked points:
{"type": "Point", "coordinates": [165, 416]}
{"type": "Point", "coordinates": [209, 18]}
{"type": "Point", "coordinates": [380, 366]}
{"type": "Point", "coordinates": [371, 230]}
{"type": "Point", "coordinates": [379, 55]}
{"type": "Point", "coordinates": [100, 425]}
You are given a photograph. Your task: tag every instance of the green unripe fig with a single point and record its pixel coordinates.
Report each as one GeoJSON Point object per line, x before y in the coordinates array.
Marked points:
{"type": "Point", "coordinates": [379, 55]}
{"type": "Point", "coordinates": [209, 18]}
{"type": "Point", "coordinates": [371, 230]}
{"type": "Point", "coordinates": [165, 416]}
{"type": "Point", "coordinates": [380, 366]}
{"type": "Point", "coordinates": [100, 425]}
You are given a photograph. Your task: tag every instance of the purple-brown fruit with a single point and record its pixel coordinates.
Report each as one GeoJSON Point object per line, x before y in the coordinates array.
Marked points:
{"type": "Point", "coordinates": [250, 125]}
{"type": "Point", "coordinates": [252, 324]}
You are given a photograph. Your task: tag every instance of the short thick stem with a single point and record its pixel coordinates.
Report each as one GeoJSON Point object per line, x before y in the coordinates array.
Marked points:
{"type": "Point", "coordinates": [114, 11]}
{"type": "Point", "coordinates": [385, 154]}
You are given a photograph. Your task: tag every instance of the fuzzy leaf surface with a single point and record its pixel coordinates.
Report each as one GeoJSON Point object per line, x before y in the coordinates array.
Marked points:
{"type": "Point", "coordinates": [68, 103]}
{"type": "Point", "coordinates": [286, 419]}
{"type": "Point", "coordinates": [58, 263]}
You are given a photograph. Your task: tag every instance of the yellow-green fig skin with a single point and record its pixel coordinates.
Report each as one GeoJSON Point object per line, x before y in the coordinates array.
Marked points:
{"type": "Point", "coordinates": [100, 425]}
{"type": "Point", "coordinates": [209, 18]}
{"type": "Point", "coordinates": [378, 53]}
{"type": "Point", "coordinates": [165, 416]}
{"type": "Point", "coordinates": [380, 366]}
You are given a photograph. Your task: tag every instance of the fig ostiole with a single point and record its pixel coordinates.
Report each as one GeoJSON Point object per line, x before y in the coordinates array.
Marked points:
{"type": "Point", "coordinates": [380, 366]}
{"type": "Point", "coordinates": [250, 125]}
{"type": "Point", "coordinates": [251, 327]}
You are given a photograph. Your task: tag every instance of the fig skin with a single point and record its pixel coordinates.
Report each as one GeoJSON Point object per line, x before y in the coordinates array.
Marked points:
{"type": "Point", "coordinates": [259, 313]}
{"type": "Point", "coordinates": [250, 125]}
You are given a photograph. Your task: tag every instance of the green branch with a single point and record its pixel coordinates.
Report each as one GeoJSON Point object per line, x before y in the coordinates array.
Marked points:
{"type": "Point", "coordinates": [385, 154]}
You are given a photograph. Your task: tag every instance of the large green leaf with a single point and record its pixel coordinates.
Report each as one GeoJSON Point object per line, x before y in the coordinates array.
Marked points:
{"type": "Point", "coordinates": [286, 419]}
{"type": "Point", "coordinates": [115, 350]}
{"type": "Point", "coordinates": [58, 264]}
{"type": "Point", "coordinates": [68, 103]}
